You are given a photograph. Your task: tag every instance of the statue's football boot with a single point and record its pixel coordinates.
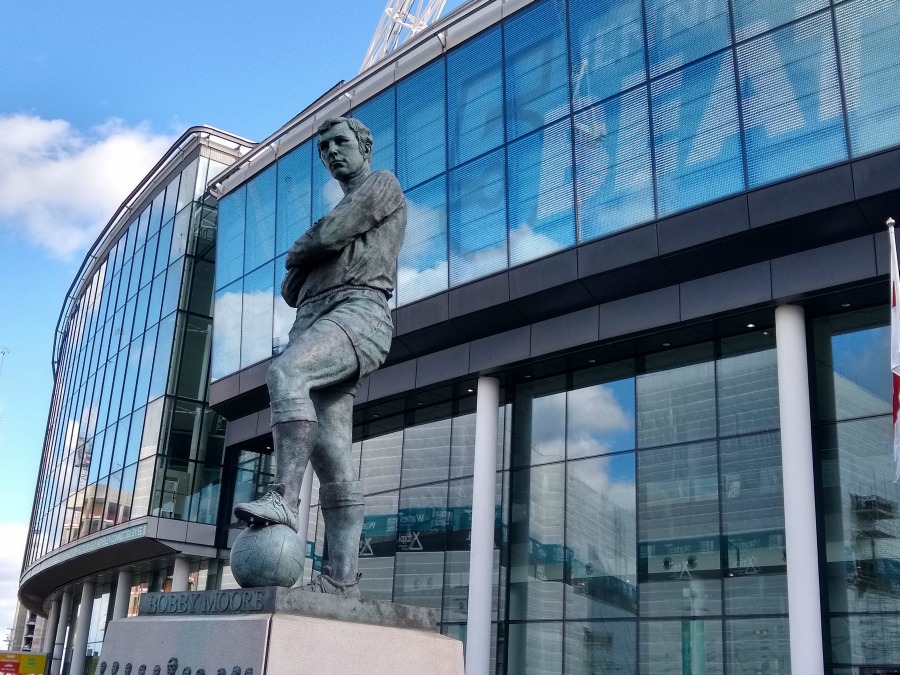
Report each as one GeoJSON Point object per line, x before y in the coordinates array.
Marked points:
{"type": "Point", "coordinates": [324, 583]}
{"type": "Point", "coordinates": [271, 508]}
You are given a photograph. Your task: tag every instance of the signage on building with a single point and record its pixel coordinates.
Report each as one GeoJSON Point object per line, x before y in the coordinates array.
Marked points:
{"type": "Point", "coordinates": [22, 663]}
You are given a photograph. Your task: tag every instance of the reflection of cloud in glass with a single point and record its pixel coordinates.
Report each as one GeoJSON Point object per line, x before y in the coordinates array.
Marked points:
{"type": "Point", "coordinates": [422, 266]}
{"type": "Point", "coordinates": [227, 331]}
{"type": "Point", "coordinates": [597, 418]}
{"type": "Point", "coordinates": [613, 477]}
{"type": "Point", "coordinates": [413, 283]}
{"type": "Point", "coordinates": [525, 244]}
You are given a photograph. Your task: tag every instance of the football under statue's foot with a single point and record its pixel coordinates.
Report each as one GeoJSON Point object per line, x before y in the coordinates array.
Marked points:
{"type": "Point", "coordinates": [270, 509]}
{"type": "Point", "coordinates": [324, 583]}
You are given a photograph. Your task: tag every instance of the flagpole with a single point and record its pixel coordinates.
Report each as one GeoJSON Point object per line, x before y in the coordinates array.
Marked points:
{"type": "Point", "coordinates": [895, 347]}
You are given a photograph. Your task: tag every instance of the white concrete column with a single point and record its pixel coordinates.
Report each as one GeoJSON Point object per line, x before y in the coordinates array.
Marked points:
{"type": "Point", "coordinates": [481, 553]}
{"type": "Point", "coordinates": [303, 514]}
{"type": "Point", "coordinates": [805, 617]}
{"type": "Point", "coordinates": [59, 640]}
{"type": "Point", "coordinates": [82, 628]}
{"type": "Point", "coordinates": [180, 575]}
{"type": "Point", "coordinates": [50, 627]}
{"type": "Point", "coordinates": [123, 594]}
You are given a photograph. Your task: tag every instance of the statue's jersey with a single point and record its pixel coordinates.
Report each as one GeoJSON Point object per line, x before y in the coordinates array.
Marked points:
{"type": "Point", "coordinates": [355, 245]}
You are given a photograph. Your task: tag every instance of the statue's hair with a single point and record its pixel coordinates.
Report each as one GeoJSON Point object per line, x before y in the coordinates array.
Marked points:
{"type": "Point", "coordinates": [360, 130]}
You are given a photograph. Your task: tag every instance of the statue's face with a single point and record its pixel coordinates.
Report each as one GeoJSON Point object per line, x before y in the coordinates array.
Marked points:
{"type": "Point", "coordinates": [340, 152]}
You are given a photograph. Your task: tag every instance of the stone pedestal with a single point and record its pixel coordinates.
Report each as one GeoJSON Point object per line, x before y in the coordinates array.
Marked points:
{"type": "Point", "coordinates": [276, 631]}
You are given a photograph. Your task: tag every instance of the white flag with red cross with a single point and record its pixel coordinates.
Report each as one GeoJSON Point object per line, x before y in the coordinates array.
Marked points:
{"type": "Point", "coordinates": [895, 346]}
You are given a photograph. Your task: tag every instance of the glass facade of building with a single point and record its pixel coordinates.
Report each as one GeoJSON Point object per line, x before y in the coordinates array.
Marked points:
{"type": "Point", "coordinates": [569, 121]}
{"type": "Point", "coordinates": [639, 514]}
{"type": "Point", "coordinates": [860, 499]}
{"type": "Point", "coordinates": [639, 519]}
{"type": "Point", "coordinates": [129, 433]}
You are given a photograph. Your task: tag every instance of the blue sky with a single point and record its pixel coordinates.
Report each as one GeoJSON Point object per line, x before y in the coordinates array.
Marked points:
{"type": "Point", "coordinates": [91, 95]}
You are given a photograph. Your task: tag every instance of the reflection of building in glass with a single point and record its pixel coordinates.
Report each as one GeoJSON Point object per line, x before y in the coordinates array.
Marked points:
{"type": "Point", "coordinates": [617, 213]}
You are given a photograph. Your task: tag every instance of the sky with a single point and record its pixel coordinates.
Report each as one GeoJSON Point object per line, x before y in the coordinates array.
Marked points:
{"type": "Point", "coordinates": [92, 94]}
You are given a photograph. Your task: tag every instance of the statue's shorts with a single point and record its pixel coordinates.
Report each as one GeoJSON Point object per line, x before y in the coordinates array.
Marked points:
{"type": "Point", "coordinates": [317, 356]}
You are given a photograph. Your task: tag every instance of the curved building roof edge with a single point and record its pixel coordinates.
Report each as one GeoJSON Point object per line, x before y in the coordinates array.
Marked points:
{"type": "Point", "coordinates": [265, 152]}
{"type": "Point", "coordinates": [125, 210]}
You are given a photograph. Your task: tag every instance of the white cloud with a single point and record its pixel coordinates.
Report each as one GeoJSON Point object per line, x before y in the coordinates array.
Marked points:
{"type": "Point", "coordinates": [60, 186]}
{"type": "Point", "coordinates": [12, 548]}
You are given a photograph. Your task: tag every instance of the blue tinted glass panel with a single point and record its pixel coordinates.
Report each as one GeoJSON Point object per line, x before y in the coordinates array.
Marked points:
{"type": "Point", "coordinates": [607, 48]}
{"type": "Point", "coordinates": [156, 209]}
{"type": "Point", "coordinates": [165, 242]}
{"type": "Point", "coordinates": [256, 322]}
{"type": "Point", "coordinates": [124, 279]}
{"type": "Point", "coordinates": [181, 235]}
{"type": "Point", "coordinates": [868, 35]}
{"type": "Point", "coordinates": [421, 125]}
{"type": "Point", "coordinates": [143, 381]}
{"type": "Point", "coordinates": [156, 295]}
{"type": "Point", "coordinates": [159, 378]}
{"type": "Point", "coordinates": [259, 242]}
{"type": "Point", "coordinates": [149, 260]}
{"type": "Point", "coordinates": [378, 115]}
{"type": "Point", "coordinates": [96, 450]}
{"type": "Point", "coordinates": [541, 202]}
{"type": "Point", "coordinates": [696, 134]}
{"type": "Point", "coordinates": [475, 97]}
{"type": "Point", "coordinates": [131, 373]}
{"type": "Point", "coordinates": [294, 197]}
{"type": "Point", "coordinates": [226, 348]}
{"type": "Point", "coordinates": [752, 17]}
{"type": "Point", "coordinates": [791, 101]}
{"type": "Point", "coordinates": [230, 237]}
{"type": "Point", "coordinates": [115, 394]}
{"type": "Point", "coordinates": [136, 265]}
{"type": "Point", "coordinates": [188, 185]}
{"type": "Point", "coordinates": [171, 200]}
{"type": "Point", "coordinates": [537, 85]}
{"type": "Point", "coordinates": [326, 191]}
{"type": "Point", "coordinates": [614, 171]}
{"type": "Point", "coordinates": [422, 268]}
{"type": "Point", "coordinates": [679, 32]}
{"type": "Point", "coordinates": [143, 223]}
{"type": "Point", "coordinates": [478, 219]}
{"type": "Point", "coordinates": [173, 288]}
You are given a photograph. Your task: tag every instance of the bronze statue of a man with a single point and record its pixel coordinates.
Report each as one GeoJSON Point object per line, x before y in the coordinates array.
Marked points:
{"type": "Point", "coordinates": [340, 275]}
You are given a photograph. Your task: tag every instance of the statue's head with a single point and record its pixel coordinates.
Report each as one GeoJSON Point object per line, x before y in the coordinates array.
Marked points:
{"type": "Point", "coordinates": [345, 147]}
